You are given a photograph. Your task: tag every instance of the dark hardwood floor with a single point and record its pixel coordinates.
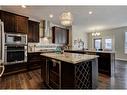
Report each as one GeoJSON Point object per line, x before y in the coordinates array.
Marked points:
{"type": "Point", "coordinates": [25, 80]}
{"type": "Point", "coordinates": [32, 79]}
{"type": "Point", "coordinates": [119, 81]}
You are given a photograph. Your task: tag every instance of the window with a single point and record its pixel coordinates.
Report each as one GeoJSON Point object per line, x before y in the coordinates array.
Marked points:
{"type": "Point", "coordinates": [98, 43]}
{"type": "Point", "coordinates": [108, 44]}
{"type": "Point", "coordinates": [126, 42]}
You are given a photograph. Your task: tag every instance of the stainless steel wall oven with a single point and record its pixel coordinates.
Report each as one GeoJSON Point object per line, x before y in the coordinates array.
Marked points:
{"type": "Point", "coordinates": [15, 49]}
{"type": "Point", "coordinates": [15, 54]}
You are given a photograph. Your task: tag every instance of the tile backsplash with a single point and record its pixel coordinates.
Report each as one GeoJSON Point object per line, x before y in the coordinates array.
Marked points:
{"type": "Point", "coordinates": [33, 47]}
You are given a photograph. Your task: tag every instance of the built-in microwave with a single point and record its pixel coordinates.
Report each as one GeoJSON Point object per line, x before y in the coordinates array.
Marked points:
{"type": "Point", "coordinates": [15, 39]}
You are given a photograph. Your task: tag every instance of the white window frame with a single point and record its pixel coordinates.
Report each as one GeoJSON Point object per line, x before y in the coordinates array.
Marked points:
{"type": "Point", "coordinates": [106, 44]}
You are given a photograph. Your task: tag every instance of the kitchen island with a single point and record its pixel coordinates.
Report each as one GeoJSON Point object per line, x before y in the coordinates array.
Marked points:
{"type": "Point", "coordinates": [106, 60]}
{"type": "Point", "coordinates": [70, 71]}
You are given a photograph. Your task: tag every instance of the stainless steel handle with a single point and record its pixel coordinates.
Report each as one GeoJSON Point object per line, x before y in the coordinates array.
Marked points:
{"type": "Point", "coordinates": [5, 54]}
{"type": "Point", "coordinates": [3, 68]}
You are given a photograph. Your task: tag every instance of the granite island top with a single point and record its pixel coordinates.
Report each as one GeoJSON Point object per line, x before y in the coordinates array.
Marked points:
{"type": "Point", "coordinates": [70, 57]}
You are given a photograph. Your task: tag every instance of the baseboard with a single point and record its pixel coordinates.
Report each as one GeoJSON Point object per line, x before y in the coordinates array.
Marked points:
{"type": "Point", "coordinates": [120, 59]}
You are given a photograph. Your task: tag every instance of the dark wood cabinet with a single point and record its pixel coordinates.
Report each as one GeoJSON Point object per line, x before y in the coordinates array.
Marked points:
{"type": "Point", "coordinates": [60, 35]}
{"type": "Point", "coordinates": [63, 75]}
{"type": "Point", "coordinates": [21, 24]}
{"type": "Point", "coordinates": [33, 31]}
{"type": "Point", "coordinates": [34, 60]}
{"type": "Point", "coordinates": [15, 68]}
{"type": "Point", "coordinates": [14, 23]}
{"type": "Point", "coordinates": [106, 61]}
{"type": "Point", "coordinates": [9, 21]}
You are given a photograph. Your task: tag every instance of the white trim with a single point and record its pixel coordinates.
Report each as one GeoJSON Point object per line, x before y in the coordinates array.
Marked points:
{"type": "Point", "coordinates": [121, 59]}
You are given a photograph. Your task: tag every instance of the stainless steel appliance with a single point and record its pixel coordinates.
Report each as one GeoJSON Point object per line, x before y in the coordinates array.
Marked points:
{"type": "Point", "coordinates": [15, 39]}
{"type": "Point", "coordinates": [1, 47]}
{"type": "Point", "coordinates": [46, 29]}
{"type": "Point", "coordinates": [15, 49]}
{"type": "Point", "coordinates": [15, 54]}
{"type": "Point", "coordinates": [2, 68]}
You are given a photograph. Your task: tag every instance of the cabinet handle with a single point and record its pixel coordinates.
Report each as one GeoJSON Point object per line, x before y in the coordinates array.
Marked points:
{"type": "Point", "coordinates": [2, 66]}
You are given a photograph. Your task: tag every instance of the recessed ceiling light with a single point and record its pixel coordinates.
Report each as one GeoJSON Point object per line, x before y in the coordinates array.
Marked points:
{"type": "Point", "coordinates": [51, 15]}
{"type": "Point", "coordinates": [23, 6]}
{"type": "Point", "coordinates": [90, 12]}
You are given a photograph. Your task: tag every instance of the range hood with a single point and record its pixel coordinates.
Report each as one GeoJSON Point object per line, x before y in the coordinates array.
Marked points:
{"type": "Point", "coordinates": [45, 29]}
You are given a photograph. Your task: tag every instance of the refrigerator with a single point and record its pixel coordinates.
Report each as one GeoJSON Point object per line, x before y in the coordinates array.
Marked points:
{"type": "Point", "coordinates": [2, 40]}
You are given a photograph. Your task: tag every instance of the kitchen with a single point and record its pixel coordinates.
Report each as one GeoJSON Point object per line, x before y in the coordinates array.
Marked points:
{"type": "Point", "coordinates": [39, 52]}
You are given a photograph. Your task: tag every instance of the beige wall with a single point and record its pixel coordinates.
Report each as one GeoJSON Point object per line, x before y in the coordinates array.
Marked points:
{"type": "Point", "coordinates": [104, 35]}
{"type": "Point", "coordinates": [117, 35]}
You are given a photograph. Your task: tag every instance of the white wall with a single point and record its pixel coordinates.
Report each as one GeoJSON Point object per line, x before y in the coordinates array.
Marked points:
{"type": "Point", "coordinates": [79, 33]}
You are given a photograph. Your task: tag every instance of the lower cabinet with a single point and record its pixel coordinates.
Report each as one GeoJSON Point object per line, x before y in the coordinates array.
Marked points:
{"type": "Point", "coordinates": [106, 61]}
{"type": "Point", "coordinates": [34, 61]}
{"type": "Point", "coordinates": [63, 75]}
{"type": "Point", "coordinates": [58, 74]}
{"type": "Point", "coordinates": [14, 68]}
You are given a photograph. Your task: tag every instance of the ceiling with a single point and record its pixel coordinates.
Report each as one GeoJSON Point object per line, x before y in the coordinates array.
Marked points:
{"type": "Point", "coordinates": [103, 17]}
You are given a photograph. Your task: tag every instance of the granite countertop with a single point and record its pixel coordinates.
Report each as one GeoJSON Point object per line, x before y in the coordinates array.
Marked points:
{"type": "Point", "coordinates": [91, 51]}
{"type": "Point", "coordinates": [70, 57]}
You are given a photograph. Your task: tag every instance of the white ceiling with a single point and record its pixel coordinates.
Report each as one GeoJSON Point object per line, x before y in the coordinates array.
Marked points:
{"type": "Point", "coordinates": [103, 17]}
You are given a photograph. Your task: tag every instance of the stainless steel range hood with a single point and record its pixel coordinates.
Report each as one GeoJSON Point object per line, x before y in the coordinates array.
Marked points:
{"type": "Point", "coordinates": [45, 29]}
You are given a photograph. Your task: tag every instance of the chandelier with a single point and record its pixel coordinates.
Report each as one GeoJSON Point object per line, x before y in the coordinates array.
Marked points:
{"type": "Point", "coordinates": [96, 34]}
{"type": "Point", "coordinates": [66, 19]}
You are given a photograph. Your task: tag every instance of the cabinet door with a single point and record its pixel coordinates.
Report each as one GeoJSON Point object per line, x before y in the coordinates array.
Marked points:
{"type": "Point", "coordinates": [36, 32]}
{"type": "Point", "coordinates": [60, 35]}
{"type": "Point", "coordinates": [9, 21]}
{"type": "Point", "coordinates": [33, 31]}
{"type": "Point", "coordinates": [21, 24]}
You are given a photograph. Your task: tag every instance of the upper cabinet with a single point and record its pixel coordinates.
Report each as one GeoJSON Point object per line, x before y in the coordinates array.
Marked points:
{"type": "Point", "coordinates": [9, 21]}
{"type": "Point", "coordinates": [21, 24]}
{"type": "Point", "coordinates": [14, 23]}
{"type": "Point", "coordinates": [33, 31]}
{"type": "Point", "coordinates": [60, 35]}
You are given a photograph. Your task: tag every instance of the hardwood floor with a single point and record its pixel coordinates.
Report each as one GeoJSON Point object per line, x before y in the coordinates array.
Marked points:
{"type": "Point", "coordinates": [32, 79]}
{"type": "Point", "coordinates": [119, 81]}
{"type": "Point", "coordinates": [25, 80]}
